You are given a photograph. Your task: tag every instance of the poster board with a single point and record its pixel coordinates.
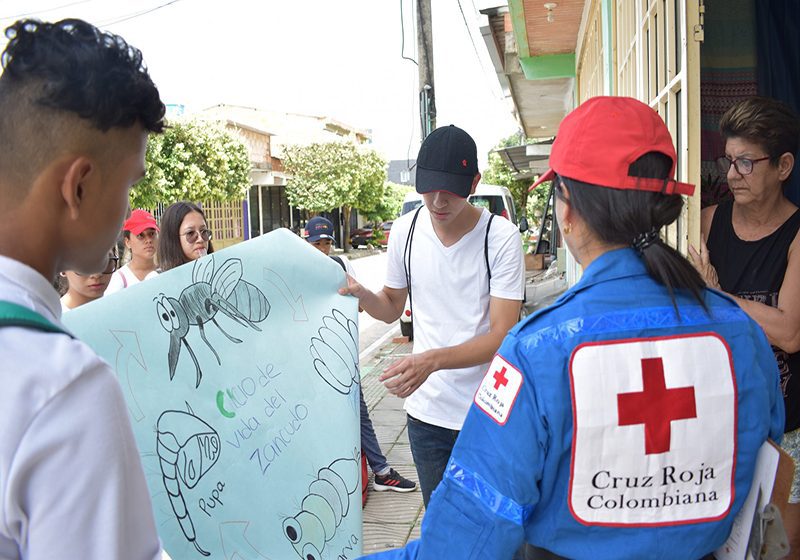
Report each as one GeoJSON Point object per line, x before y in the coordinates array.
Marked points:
{"type": "Point", "coordinates": [772, 483]}
{"type": "Point", "coordinates": [240, 373]}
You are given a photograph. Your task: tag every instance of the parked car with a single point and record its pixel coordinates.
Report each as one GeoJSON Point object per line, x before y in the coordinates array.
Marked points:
{"type": "Point", "coordinates": [363, 235]}
{"type": "Point", "coordinates": [498, 200]}
{"type": "Point", "coordinates": [494, 198]}
{"type": "Point", "coordinates": [412, 201]}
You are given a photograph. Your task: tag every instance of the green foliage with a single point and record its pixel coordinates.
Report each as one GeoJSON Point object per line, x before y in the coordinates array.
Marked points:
{"type": "Point", "coordinates": [498, 173]}
{"type": "Point", "coordinates": [332, 174]}
{"type": "Point", "coordinates": [193, 161]}
{"type": "Point", "coordinates": [377, 236]}
{"type": "Point", "coordinates": [390, 204]}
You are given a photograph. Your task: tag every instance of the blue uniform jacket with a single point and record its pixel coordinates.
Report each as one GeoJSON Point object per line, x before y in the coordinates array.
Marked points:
{"type": "Point", "coordinates": [508, 480]}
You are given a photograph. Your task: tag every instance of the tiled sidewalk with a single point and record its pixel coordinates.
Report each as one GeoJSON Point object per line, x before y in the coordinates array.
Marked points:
{"type": "Point", "coordinates": [391, 519]}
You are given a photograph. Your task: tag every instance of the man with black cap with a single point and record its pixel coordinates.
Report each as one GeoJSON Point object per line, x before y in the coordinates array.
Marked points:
{"type": "Point", "coordinates": [463, 274]}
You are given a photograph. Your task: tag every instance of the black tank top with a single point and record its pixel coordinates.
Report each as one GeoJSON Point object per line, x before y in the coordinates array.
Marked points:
{"type": "Point", "coordinates": [754, 270]}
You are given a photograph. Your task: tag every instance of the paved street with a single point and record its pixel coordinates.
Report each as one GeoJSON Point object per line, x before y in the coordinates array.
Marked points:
{"type": "Point", "coordinates": [371, 272]}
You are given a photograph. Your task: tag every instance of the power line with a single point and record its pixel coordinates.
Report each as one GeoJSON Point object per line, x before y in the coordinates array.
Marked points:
{"type": "Point", "coordinates": [469, 33]}
{"type": "Point", "coordinates": [475, 49]}
{"type": "Point", "coordinates": [136, 14]}
{"type": "Point", "coordinates": [26, 14]}
{"type": "Point", "coordinates": [413, 85]}
{"type": "Point", "coordinates": [403, 37]}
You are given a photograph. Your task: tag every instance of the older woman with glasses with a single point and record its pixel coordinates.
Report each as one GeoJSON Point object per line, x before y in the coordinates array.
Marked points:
{"type": "Point", "coordinates": [184, 235]}
{"type": "Point", "coordinates": [752, 247]}
{"type": "Point", "coordinates": [84, 288]}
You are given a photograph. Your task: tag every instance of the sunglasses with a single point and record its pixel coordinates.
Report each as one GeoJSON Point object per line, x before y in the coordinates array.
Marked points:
{"type": "Point", "coordinates": [191, 236]}
{"type": "Point", "coordinates": [109, 269]}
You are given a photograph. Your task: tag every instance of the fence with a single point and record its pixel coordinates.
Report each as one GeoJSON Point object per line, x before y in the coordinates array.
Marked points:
{"type": "Point", "coordinates": [224, 219]}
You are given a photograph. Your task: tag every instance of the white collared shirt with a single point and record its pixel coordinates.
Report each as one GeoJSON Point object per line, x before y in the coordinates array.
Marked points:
{"type": "Point", "coordinates": [71, 479]}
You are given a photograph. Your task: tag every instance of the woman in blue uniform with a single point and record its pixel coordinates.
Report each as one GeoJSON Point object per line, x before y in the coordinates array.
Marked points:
{"type": "Point", "coordinates": [624, 421]}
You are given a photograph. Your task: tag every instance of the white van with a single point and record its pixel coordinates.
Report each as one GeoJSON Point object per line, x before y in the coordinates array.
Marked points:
{"type": "Point", "coordinates": [494, 198]}
{"type": "Point", "coordinates": [412, 201]}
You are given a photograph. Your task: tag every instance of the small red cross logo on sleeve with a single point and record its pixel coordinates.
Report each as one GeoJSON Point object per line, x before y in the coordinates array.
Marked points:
{"type": "Point", "coordinates": [656, 407]}
{"type": "Point", "coordinates": [500, 378]}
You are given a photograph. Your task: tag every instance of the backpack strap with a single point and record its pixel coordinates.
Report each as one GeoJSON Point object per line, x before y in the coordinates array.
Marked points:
{"type": "Point", "coordinates": [124, 279]}
{"type": "Point", "coordinates": [13, 315]}
{"type": "Point", "coordinates": [407, 259]}
{"type": "Point", "coordinates": [486, 250]}
{"type": "Point", "coordinates": [340, 261]}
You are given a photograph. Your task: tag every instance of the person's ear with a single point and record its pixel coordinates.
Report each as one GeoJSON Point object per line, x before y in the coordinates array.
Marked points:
{"type": "Point", "coordinates": [475, 181]}
{"type": "Point", "coordinates": [73, 184]}
{"type": "Point", "coordinates": [785, 166]}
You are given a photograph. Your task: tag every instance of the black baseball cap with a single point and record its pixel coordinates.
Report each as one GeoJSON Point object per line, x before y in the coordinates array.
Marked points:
{"type": "Point", "coordinates": [447, 161]}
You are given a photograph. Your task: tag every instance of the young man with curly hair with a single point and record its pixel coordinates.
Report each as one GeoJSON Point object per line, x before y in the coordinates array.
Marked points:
{"type": "Point", "coordinates": [76, 106]}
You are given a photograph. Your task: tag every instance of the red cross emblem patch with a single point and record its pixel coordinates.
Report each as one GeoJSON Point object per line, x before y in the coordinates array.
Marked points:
{"type": "Point", "coordinates": [654, 431]}
{"type": "Point", "coordinates": [499, 389]}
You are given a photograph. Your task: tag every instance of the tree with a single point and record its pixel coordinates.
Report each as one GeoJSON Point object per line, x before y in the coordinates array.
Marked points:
{"type": "Point", "coordinates": [332, 174]}
{"type": "Point", "coordinates": [390, 204]}
{"type": "Point", "coordinates": [193, 161]}
{"type": "Point", "coordinates": [498, 173]}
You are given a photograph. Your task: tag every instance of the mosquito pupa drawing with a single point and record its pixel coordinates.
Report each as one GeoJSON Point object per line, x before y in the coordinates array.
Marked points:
{"type": "Point", "coordinates": [187, 448]}
{"type": "Point", "coordinates": [211, 291]}
{"type": "Point", "coordinates": [327, 503]}
{"type": "Point", "coordinates": [335, 352]}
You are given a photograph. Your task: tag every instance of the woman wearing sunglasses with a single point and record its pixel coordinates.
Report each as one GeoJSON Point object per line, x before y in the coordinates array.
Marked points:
{"type": "Point", "coordinates": [184, 235]}
{"type": "Point", "coordinates": [752, 248]}
{"type": "Point", "coordinates": [83, 288]}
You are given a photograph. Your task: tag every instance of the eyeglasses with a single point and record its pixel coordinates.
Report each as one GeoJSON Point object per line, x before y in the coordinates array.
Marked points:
{"type": "Point", "coordinates": [110, 267]}
{"type": "Point", "coordinates": [743, 166]}
{"type": "Point", "coordinates": [191, 236]}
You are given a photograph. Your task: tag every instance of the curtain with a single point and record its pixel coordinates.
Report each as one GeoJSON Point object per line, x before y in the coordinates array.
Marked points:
{"type": "Point", "coordinates": [778, 51]}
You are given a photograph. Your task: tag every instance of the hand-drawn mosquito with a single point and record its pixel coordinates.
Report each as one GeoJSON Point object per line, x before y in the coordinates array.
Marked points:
{"type": "Point", "coordinates": [327, 502]}
{"type": "Point", "coordinates": [187, 448]}
{"type": "Point", "coordinates": [223, 290]}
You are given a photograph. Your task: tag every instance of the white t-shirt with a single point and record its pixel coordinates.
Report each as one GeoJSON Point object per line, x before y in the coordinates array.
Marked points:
{"type": "Point", "coordinates": [450, 291]}
{"type": "Point", "coordinates": [125, 278]}
{"type": "Point", "coordinates": [71, 480]}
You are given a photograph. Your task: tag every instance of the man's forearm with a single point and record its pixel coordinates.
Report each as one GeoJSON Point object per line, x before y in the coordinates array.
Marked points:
{"type": "Point", "coordinates": [473, 352]}
{"type": "Point", "coordinates": [379, 306]}
{"type": "Point", "coordinates": [480, 349]}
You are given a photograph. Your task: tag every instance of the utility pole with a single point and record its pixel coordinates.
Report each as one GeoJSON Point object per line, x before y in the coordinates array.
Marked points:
{"type": "Point", "coordinates": [427, 104]}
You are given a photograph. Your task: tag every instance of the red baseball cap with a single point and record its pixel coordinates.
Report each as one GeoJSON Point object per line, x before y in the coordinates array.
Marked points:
{"type": "Point", "coordinates": [598, 141]}
{"type": "Point", "coordinates": [139, 221]}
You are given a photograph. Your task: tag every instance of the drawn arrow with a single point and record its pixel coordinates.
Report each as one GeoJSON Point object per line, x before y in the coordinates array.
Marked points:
{"type": "Point", "coordinates": [129, 348]}
{"type": "Point", "coordinates": [295, 303]}
{"type": "Point", "coordinates": [232, 535]}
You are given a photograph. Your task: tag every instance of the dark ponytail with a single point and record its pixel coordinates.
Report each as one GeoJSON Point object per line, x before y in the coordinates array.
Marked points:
{"type": "Point", "coordinates": [634, 218]}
